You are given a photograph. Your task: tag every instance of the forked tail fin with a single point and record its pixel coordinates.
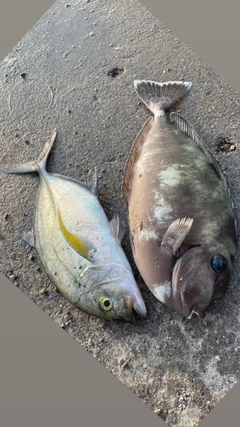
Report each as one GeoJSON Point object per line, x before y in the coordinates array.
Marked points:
{"type": "Point", "coordinates": [161, 96]}
{"type": "Point", "coordinates": [34, 166]}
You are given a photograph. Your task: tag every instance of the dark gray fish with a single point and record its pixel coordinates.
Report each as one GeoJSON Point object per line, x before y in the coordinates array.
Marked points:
{"type": "Point", "coordinates": [182, 221]}
{"type": "Point", "coordinates": [79, 248]}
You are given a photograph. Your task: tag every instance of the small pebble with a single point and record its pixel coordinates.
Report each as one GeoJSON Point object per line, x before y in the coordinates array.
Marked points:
{"type": "Point", "coordinates": [42, 291]}
{"type": "Point", "coordinates": [121, 361]}
{"type": "Point", "coordinates": [125, 364]}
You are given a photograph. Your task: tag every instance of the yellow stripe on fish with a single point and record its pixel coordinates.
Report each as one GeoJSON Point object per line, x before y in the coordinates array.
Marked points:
{"type": "Point", "coordinates": [77, 244]}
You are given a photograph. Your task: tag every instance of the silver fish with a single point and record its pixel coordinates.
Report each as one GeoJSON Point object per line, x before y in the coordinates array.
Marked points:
{"type": "Point", "coordinates": [79, 248]}
{"type": "Point", "coordinates": [182, 222]}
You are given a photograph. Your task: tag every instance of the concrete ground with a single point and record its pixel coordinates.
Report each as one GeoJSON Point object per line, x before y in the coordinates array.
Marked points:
{"type": "Point", "coordinates": [74, 71]}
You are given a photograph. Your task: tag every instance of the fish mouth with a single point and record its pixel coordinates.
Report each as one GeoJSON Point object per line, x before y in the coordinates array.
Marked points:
{"type": "Point", "coordinates": [200, 313]}
{"type": "Point", "coordinates": [129, 305]}
{"type": "Point", "coordinates": [138, 306]}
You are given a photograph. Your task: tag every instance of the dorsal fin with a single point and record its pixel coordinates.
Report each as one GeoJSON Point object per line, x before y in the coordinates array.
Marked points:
{"type": "Point", "coordinates": [133, 156]}
{"type": "Point", "coordinates": [90, 186]}
{"type": "Point", "coordinates": [188, 130]}
{"type": "Point", "coordinates": [117, 228]}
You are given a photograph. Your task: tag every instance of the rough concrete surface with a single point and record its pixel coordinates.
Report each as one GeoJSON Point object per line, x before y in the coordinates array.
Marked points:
{"type": "Point", "coordinates": [61, 75]}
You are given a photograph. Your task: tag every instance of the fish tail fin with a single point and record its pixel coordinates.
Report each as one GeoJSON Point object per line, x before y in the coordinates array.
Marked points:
{"type": "Point", "coordinates": [41, 162]}
{"type": "Point", "coordinates": [21, 168]}
{"type": "Point", "coordinates": [34, 166]}
{"type": "Point", "coordinates": [161, 96]}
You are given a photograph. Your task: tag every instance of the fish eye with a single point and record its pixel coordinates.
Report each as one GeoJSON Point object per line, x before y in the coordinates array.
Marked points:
{"type": "Point", "coordinates": [219, 263]}
{"type": "Point", "coordinates": [106, 303]}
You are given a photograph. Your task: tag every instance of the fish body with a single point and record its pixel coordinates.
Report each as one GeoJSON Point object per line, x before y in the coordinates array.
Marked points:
{"type": "Point", "coordinates": [182, 223]}
{"type": "Point", "coordinates": [79, 248]}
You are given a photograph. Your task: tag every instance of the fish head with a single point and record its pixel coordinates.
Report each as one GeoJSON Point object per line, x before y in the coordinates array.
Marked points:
{"type": "Point", "coordinates": [116, 296]}
{"type": "Point", "coordinates": [200, 276]}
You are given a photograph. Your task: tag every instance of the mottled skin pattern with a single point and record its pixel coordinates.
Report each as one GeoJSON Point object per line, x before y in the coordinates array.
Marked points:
{"type": "Point", "coordinates": [172, 179]}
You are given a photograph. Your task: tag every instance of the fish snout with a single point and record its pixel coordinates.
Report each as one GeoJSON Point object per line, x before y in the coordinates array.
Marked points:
{"type": "Point", "coordinates": [199, 312]}
{"type": "Point", "coordinates": [137, 304]}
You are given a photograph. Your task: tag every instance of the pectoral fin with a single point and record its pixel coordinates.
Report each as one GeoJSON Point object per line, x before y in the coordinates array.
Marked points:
{"type": "Point", "coordinates": [29, 238]}
{"type": "Point", "coordinates": [176, 234]}
{"type": "Point", "coordinates": [75, 241]}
